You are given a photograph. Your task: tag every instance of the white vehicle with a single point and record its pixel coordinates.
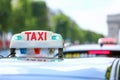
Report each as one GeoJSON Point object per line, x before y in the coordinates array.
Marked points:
{"type": "Point", "coordinates": [32, 42]}
{"type": "Point", "coordinates": [68, 69]}
{"type": "Point", "coordinates": [79, 68]}
{"type": "Point", "coordinates": [91, 50]}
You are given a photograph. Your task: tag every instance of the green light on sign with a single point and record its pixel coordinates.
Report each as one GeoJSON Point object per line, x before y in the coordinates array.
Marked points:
{"type": "Point", "coordinates": [55, 37]}
{"type": "Point", "coordinates": [18, 37]}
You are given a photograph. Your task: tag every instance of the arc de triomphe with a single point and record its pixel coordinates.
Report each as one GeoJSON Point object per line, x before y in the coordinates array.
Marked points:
{"type": "Point", "coordinates": [113, 22]}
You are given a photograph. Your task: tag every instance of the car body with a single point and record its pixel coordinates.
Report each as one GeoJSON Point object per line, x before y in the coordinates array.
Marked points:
{"type": "Point", "coordinates": [91, 50]}
{"type": "Point", "coordinates": [113, 71]}
{"type": "Point", "coordinates": [96, 51]}
{"type": "Point", "coordinates": [87, 68]}
{"type": "Point", "coordinates": [72, 69]}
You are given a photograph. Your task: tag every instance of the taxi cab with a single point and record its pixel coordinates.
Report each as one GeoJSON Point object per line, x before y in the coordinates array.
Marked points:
{"type": "Point", "coordinates": [31, 67]}
{"type": "Point", "coordinates": [91, 50]}
{"type": "Point", "coordinates": [106, 47]}
{"type": "Point", "coordinates": [97, 53]}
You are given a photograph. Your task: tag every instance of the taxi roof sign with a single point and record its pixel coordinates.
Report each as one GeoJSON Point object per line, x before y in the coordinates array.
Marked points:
{"type": "Point", "coordinates": [36, 39]}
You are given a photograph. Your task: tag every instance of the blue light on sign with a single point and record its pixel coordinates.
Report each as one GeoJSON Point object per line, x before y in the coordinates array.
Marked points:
{"type": "Point", "coordinates": [23, 50]}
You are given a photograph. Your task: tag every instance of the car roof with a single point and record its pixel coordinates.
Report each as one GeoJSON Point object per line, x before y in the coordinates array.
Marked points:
{"type": "Point", "coordinates": [64, 66]}
{"type": "Point", "coordinates": [85, 47]}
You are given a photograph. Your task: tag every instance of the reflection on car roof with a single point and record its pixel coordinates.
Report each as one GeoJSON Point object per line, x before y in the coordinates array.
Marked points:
{"type": "Point", "coordinates": [92, 47]}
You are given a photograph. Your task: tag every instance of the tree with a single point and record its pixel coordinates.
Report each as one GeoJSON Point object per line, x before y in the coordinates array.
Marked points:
{"type": "Point", "coordinates": [5, 12]}
{"type": "Point", "coordinates": [62, 24]}
{"type": "Point", "coordinates": [70, 30]}
{"type": "Point", "coordinates": [40, 14]}
{"type": "Point", "coordinates": [92, 37]}
{"type": "Point", "coordinates": [20, 17]}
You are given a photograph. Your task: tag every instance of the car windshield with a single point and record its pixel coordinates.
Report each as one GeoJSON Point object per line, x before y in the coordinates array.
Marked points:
{"type": "Point", "coordinates": [59, 39]}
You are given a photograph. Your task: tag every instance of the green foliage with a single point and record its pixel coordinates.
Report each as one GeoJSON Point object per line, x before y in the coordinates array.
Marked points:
{"type": "Point", "coordinates": [32, 15]}
{"type": "Point", "coordinates": [5, 12]}
{"type": "Point", "coordinates": [29, 15]}
{"type": "Point", "coordinates": [92, 37]}
{"type": "Point", "coordinates": [62, 24]}
{"type": "Point", "coordinates": [20, 17]}
{"type": "Point", "coordinates": [70, 30]}
{"type": "Point", "coordinates": [40, 12]}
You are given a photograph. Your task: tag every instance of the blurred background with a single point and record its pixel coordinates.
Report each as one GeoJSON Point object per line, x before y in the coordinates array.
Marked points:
{"type": "Point", "coordinates": [21, 15]}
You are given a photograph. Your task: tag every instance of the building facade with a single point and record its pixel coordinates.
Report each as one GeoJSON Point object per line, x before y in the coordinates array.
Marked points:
{"type": "Point", "coordinates": [113, 22]}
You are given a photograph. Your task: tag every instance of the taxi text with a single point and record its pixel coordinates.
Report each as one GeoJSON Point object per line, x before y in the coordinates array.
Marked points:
{"type": "Point", "coordinates": [36, 35]}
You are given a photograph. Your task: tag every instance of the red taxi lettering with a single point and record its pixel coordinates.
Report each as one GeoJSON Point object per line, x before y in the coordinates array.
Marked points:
{"type": "Point", "coordinates": [33, 36]}
{"type": "Point", "coordinates": [40, 35]}
{"type": "Point", "coordinates": [45, 36]}
{"type": "Point", "coordinates": [27, 33]}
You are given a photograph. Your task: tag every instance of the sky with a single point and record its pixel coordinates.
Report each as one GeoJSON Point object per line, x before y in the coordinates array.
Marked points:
{"type": "Point", "coordinates": [88, 14]}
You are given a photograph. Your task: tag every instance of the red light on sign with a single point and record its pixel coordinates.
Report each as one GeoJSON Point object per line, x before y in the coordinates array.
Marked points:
{"type": "Point", "coordinates": [36, 50]}
{"type": "Point", "coordinates": [36, 35]}
{"type": "Point", "coordinates": [98, 52]}
{"type": "Point", "coordinates": [108, 40]}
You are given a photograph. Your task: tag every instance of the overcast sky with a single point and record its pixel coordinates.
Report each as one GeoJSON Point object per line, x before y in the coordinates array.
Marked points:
{"type": "Point", "coordinates": [88, 14]}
